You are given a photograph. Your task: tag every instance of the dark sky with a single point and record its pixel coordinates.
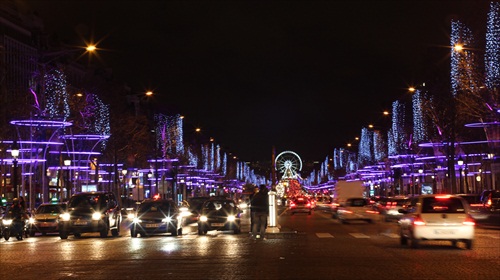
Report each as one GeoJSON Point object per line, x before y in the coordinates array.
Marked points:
{"type": "Point", "coordinates": [304, 76]}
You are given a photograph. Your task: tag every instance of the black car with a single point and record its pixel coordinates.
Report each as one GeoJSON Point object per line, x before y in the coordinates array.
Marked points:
{"type": "Point", "coordinates": [91, 212]}
{"type": "Point", "coordinates": [157, 216]}
{"type": "Point", "coordinates": [219, 213]}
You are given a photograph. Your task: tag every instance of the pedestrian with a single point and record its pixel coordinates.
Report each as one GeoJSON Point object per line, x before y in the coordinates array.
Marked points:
{"type": "Point", "coordinates": [260, 211]}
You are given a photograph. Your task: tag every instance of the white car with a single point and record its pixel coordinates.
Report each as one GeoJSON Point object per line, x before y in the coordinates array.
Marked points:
{"type": "Point", "coordinates": [437, 217]}
{"type": "Point", "coordinates": [357, 208]}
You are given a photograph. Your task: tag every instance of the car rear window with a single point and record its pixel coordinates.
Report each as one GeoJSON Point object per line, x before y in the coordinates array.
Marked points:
{"type": "Point", "coordinates": [356, 202]}
{"type": "Point", "coordinates": [442, 205]}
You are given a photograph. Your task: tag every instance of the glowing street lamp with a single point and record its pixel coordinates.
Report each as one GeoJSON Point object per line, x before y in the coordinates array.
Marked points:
{"type": "Point", "coordinates": [460, 163]}
{"type": "Point", "coordinates": [67, 163]}
{"type": "Point", "coordinates": [15, 154]}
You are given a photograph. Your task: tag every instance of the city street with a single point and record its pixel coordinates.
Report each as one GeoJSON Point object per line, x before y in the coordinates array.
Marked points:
{"type": "Point", "coordinates": [307, 247]}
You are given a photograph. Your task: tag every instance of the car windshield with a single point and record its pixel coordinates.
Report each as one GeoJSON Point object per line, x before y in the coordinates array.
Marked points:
{"type": "Point", "coordinates": [218, 204]}
{"type": "Point", "coordinates": [85, 201]}
{"type": "Point", "coordinates": [154, 207]}
{"type": "Point", "coordinates": [442, 205]}
{"type": "Point", "coordinates": [48, 209]}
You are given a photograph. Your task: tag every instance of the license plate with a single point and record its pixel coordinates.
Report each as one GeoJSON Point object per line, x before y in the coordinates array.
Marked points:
{"type": "Point", "coordinates": [217, 224]}
{"type": "Point", "coordinates": [152, 225]}
{"type": "Point", "coordinates": [444, 231]}
{"type": "Point", "coordinates": [80, 223]}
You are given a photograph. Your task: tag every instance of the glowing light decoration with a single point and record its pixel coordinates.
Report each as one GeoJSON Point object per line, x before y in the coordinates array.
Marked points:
{"type": "Point", "coordinates": [212, 157]}
{"type": "Point", "coordinates": [56, 95]}
{"type": "Point", "coordinates": [397, 137]}
{"type": "Point", "coordinates": [492, 56]}
{"type": "Point", "coordinates": [192, 158]}
{"type": "Point", "coordinates": [419, 131]}
{"type": "Point", "coordinates": [365, 147]}
{"type": "Point", "coordinates": [96, 117]}
{"type": "Point", "coordinates": [379, 146]}
{"type": "Point", "coordinates": [461, 60]}
{"type": "Point", "coordinates": [169, 137]}
{"type": "Point", "coordinates": [217, 158]}
{"type": "Point", "coordinates": [224, 165]}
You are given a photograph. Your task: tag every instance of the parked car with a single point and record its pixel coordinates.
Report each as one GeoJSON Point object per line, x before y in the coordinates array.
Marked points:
{"type": "Point", "coordinates": [155, 216]}
{"type": "Point", "coordinates": [45, 219]}
{"type": "Point", "coordinates": [300, 205]}
{"type": "Point", "coordinates": [437, 217]}
{"type": "Point", "coordinates": [219, 213]}
{"type": "Point", "coordinates": [357, 208]}
{"type": "Point", "coordinates": [91, 212]}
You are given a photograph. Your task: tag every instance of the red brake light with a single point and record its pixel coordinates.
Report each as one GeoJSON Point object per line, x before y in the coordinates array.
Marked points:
{"type": "Point", "coordinates": [443, 196]}
{"type": "Point", "coordinates": [418, 221]}
{"type": "Point", "coordinates": [469, 221]}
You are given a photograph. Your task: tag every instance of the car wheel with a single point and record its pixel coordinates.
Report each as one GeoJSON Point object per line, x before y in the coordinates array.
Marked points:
{"type": "Point", "coordinates": [403, 240]}
{"type": "Point", "coordinates": [63, 234]}
{"type": "Point", "coordinates": [32, 233]}
{"type": "Point", "coordinates": [415, 243]}
{"type": "Point", "coordinates": [19, 237]}
{"type": "Point", "coordinates": [468, 244]}
{"type": "Point", "coordinates": [104, 231]}
{"type": "Point", "coordinates": [174, 232]}
{"type": "Point", "coordinates": [6, 235]}
{"type": "Point", "coordinates": [201, 230]}
{"type": "Point", "coordinates": [343, 221]}
{"type": "Point", "coordinates": [133, 233]}
{"type": "Point", "coordinates": [454, 243]}
{"type": "Point", "coordinates": [179, 231]}
{"type": "Point", "coordinates": [115, 232]}
{"type": "Point", "coordinates": [77, 234]}
{"type": "Point", "coordinates": [237, 230]}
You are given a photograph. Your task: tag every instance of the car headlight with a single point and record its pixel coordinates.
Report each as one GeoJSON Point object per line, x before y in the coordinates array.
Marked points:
{"type": "Point", "coordinates": [7, 222]}
{"type": "Point", "coordinates": [65, 216]}
{"type": "Point", "coordinates": [203, 218]}
{"type": "Point", "coordinates": [31, 220]}
{"type": "Point", "coordinates": [243, 205]}
{"type": "Point", "coordinates": [96, 216]}
{"type": "Point", "coordinates": [167, 220]}
{"type": "Point", "coordinates": [131, 216]}
{"type": "Point", "coordinates": [231, 218]}
{"type": "Point", "coordinates": [136, 220]}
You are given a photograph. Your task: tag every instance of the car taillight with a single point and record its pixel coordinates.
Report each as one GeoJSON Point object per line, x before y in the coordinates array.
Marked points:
{"type": "Point", "coordinates": [308, 204]}
{"type": "Point", "coordinates": [292, 205]}
{"type": "Point", "coordinates": [469, 221]}
{"type": "Point", "coordinates": [418, 221]}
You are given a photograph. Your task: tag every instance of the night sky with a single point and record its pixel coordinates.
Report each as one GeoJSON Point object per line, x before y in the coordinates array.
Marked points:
{"type": "Point", "coordinates": [304, 76]}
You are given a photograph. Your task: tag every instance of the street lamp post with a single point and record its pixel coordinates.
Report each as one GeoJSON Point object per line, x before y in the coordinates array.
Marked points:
{"type": "Point", "coordinates": [15, 154]}
{"type": "Point", "coordinates": [150, 175]}
{"type": "Point", "coordinates": [421, 172]}
{"type": "Point", "coordinates": [67, 163]}
{"type": "Point", "coordinates": [125, 193]}
{"type": "Point", "coordinates": [460, 163]}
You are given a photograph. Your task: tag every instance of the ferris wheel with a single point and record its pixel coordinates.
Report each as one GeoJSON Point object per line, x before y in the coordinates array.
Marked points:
{"type": "Point", "coordinates": [288, 163]}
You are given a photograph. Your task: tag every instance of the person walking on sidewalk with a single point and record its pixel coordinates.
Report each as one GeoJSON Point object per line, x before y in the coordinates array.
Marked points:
{"type": "Point", "coordinates": [260, 211]}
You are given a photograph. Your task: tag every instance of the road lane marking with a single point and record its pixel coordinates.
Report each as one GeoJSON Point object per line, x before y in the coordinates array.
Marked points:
{"type": "Point", "coordinates": [359, 235]}
{"type": "Point", "coordinates": [324, 235]}
{"type": "Point", "coordinates": [391, 235]}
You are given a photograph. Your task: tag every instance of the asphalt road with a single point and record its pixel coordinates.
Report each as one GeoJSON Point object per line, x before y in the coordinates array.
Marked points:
{"type": "Point", "coordinates": [306, 247]}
